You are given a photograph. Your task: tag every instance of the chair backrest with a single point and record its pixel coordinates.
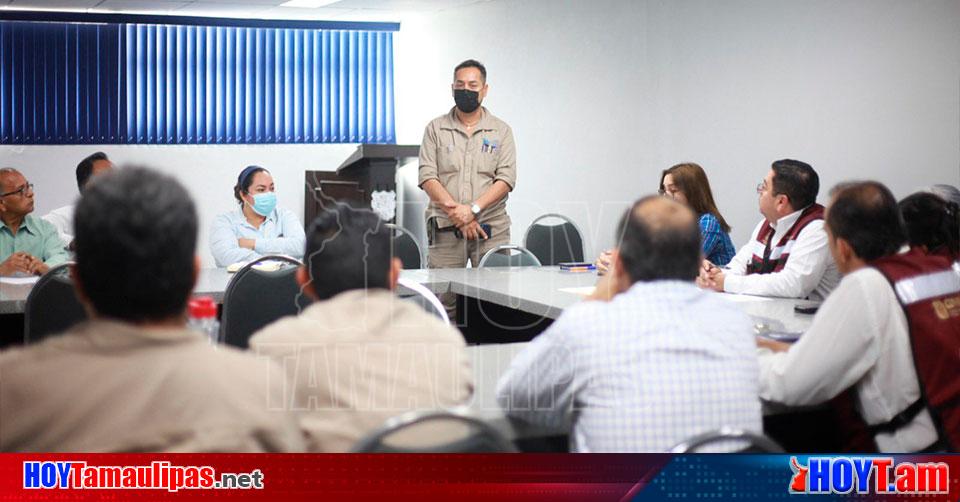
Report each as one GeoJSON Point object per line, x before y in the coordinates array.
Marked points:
{"type": "Point", "coordinates": [509, 255]}
{"type": "Point", "coordinates": [406, 247]}
{"type": "Point", "coordinates": [52, 305]}
{"type": "Point", "coordinates": [553, 244]}
{"type": "Point", "coordinates": [255, 298]}
{"type": "Point", "coordinates": [755, 443]}
{"type": "Point", "coordinates": [425, 298]}
{"type": "Point", "coordinates": [479, 436]}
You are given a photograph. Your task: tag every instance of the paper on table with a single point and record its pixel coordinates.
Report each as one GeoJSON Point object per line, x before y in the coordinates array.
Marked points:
{"type": "Point", "coordinates": [582, 291]}
{"type": "Point", "coordinates": [19, 280]}
{"type": "Point", "coordinates": [744, 298]}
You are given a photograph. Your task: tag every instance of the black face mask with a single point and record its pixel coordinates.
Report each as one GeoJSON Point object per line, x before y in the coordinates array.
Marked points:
{"type": "Point", "coordinates": [467, 100]}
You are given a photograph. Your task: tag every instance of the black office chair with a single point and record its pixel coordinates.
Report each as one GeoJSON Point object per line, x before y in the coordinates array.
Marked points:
{"type": "Point", "coordinates": [52, 306]}
{"type": "Point", "coordinates": [255, 298]}
{"type": "Point", "coordinates": [480, 437]}
{"type": "Point", "coordinates": [406, 247]}
{"type": "Point", "coordinates": [557, 243]}
{"type": "Point", "coordinates": [419, 294]}
{"type": "Point", "coordinates": [754, 443]}
{"type": "Point", "coordinates": [509, 255]}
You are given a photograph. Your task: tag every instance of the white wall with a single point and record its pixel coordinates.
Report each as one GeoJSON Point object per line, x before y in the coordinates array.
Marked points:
{"type": "Point", "coordinates": [603, 95]}
{"type": "Point", "coordinates": [209, 172]}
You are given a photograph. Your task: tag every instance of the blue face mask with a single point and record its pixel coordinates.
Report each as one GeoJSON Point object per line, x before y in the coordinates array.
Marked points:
{"type": "Point", "coordinates": [264, 203]}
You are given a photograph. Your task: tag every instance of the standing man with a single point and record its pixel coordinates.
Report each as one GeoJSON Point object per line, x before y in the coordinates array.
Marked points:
{"type": "Point", "coordinates": [468, 164]}
{"type": "Point", "coordinates": [28, 245]}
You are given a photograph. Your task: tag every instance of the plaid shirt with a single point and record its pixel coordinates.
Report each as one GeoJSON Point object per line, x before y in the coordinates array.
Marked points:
{"type": "Point", "coordinates": [717, 246]}
{"type": "Point", "coordinates": [656, 365]}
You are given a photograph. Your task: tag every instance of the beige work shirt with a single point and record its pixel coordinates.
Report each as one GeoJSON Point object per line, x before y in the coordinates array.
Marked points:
{"type": "Point", "coordinates": [362, 357]}
{"type": "Point", "coordinates": [108, 386]}
{"type": "Point", "coordinates": [467, 165]}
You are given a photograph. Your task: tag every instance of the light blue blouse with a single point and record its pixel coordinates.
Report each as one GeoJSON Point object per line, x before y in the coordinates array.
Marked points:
{"type": "Point", "coordinates": [280, 233]}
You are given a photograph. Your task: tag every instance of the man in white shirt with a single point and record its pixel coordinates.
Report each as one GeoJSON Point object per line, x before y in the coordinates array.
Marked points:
{"type": "Point", "coordinates": [787, 255]}
{"type": "Point", "coordinates": [62, 217]}
{"type": "Point", "coordinates": [659, 362]}
{"type": "Point", "coordinates": [859, 337]}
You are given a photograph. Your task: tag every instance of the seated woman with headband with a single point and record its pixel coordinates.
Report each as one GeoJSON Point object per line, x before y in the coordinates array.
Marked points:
{"type": "Point", "coordinates": [258, 227]}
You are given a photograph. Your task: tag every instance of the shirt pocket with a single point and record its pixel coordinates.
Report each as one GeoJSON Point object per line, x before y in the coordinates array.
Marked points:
{"type": "Point", "coordinates": [489, 157]}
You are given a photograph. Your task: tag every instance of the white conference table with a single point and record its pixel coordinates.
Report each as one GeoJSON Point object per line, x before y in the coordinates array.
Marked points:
{"type": "Point", "coordinates": [542, 291]}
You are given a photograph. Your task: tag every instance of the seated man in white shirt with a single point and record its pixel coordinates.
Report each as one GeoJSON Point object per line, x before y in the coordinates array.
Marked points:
{"type": "Point", "coordinates": [860, 337]}
{"type": "Point", "coordinates": [360, 355]}
{"type": "Point", "coordinates": [133, 377]}
{"type": "Point", "coordinates": [62, 217]}
{"type": "Point", "coordinates": [787, 255]}
{"type": "Point", "coordinates": [659, 362]}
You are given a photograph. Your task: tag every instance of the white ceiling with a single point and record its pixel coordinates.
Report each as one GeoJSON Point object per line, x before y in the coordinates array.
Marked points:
{"type": "Point", "coordinates": [343, 10]}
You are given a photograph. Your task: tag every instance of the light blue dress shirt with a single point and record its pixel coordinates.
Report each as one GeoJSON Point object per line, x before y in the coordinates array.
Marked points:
{"type": "Point", "coordinates": [280, 233]}
{"type": "Point", "coordinates": [659, 363]}
{"type": "Point", "coordinates": [35, 236]}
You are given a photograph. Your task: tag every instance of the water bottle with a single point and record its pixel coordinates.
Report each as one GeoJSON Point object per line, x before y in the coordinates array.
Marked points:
{"type": "Point", "coordinates": [203, 318]}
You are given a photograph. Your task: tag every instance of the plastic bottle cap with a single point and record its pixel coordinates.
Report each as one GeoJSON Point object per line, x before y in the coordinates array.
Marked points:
{"type": "Point", "coordinates": [202, 307]}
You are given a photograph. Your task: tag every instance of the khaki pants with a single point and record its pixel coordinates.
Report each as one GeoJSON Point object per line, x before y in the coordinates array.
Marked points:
{"type": "Point", "coordinates": [448, 251]}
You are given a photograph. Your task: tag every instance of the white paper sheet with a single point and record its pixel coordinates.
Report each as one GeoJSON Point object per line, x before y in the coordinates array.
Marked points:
{"type": "Point", "coordinates": [744, 298]}
{"type": "Point", "coordinates": [20, 280]}
{"type": "Point", "coordinates": [582, 291]}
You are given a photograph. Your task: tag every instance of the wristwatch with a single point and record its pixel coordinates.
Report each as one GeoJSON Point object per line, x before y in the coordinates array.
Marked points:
{"type": "Point", "coordinates": [475, 209]}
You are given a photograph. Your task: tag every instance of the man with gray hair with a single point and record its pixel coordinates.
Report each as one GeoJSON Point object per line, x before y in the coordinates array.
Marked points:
{"type": "Point", "coordinates": [28, 245]}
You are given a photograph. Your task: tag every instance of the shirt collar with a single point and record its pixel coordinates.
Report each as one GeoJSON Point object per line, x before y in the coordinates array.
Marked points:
{"type": "Point", "coordinates": [787, 221]}
{"type": "Point", "coordinates": [242, 219]}
{"type": "Point", "coordinates": [29, 224]}
{"type": "Point", "coordinates": [485, 124]}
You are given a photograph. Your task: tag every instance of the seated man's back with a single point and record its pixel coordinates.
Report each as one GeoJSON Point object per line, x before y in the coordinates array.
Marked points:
{"type": "Point", "coordinates": [654, 366]}
{"type": "Point", "coordinates": [134, 378]}
{"type": "Point", "coordinates": [111, 386]}
{"type": "Point", "coordinates": [361, 358]}
{"type": "Point", "coordinates": [657, 364]}
{"type": "Point", "coordinates": [360, 355]}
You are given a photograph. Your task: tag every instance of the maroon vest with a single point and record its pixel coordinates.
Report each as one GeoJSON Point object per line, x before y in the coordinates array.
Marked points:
{"type": "Point", "coordinates": [780, 252]}
{"type": "Point", "coordinates": [928, 288]}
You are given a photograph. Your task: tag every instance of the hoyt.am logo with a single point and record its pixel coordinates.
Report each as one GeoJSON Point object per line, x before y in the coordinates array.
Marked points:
{"type": "Point", "coordinates": [879, 475]}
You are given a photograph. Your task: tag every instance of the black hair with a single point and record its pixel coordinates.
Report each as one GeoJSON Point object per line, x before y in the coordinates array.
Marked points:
{"type": "Point", "coordinates": [244, 180]}
{"type": "Point", "coordinates": [932, 222]}
{"type": "Point", "coordinates": [660, 242]}
{"type": "Point", "coordinates": [347, 249]}
{"type": "Point", "coordinates": [136, 237]}
{"type": "Point", "coordinates": [471, 63]}
{"type": "Point", "coordinates": [797, 180]}
{"type": "Point", "coordinates": [85, 168]}
{"type": "Point", "coordinates": [865, 214]}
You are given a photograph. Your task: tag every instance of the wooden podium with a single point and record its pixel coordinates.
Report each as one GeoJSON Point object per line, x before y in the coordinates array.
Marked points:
{"type": "Point", "coordinates": [368, 169]}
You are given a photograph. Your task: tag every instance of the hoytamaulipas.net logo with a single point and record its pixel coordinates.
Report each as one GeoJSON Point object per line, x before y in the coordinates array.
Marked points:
{"type": "Point", "coordinates": [878, 475]}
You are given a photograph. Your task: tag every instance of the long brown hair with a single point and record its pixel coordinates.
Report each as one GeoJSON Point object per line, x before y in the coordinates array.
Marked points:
{"type": "Point", "coordinates": [692, 181]}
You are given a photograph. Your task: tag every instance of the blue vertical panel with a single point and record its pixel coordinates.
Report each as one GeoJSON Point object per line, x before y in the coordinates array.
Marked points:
{"type": "Point", "coordinates": [175, 84]}
{"type": "Point", "coordinates": [325, 65]}
{"type": "Point", "coordinates": [54, 82]}
{"type": "Point", "coordinates": [258, 99]}
{"type": "Point", "coordinates": [389, 120]}
{"type": "Point", "coordinates": [288, 66]}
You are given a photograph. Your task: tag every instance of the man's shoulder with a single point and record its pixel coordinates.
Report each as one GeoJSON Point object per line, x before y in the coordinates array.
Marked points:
{"type": "Point", "coordinates": [64, 212]}
{"type": "Point", "coordinates": [42, 225]}
{"type": "Point", "coordinates": [444, 121]}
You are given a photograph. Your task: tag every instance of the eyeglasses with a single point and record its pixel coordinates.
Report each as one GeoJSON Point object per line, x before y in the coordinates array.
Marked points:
{"type": "Point", "coordinates": [762, 186]}
{"type": "Point", "coordinates": [669, 192]}
{"type": "Point", "coordinates": [20, 191]}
